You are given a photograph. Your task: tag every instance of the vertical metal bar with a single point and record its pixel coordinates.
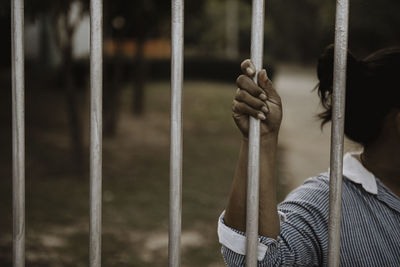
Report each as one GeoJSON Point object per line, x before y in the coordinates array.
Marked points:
{"type": "Point", "coordinates": [257, 44]}
{"type": "Point", "coordinates": [96, 122]}
{"type": "Point", "coordinates": [338, 116]}
{"type": "Point", "coordinates": [175, 205]}
{"type": "Point", "coordinates": [18, 131]}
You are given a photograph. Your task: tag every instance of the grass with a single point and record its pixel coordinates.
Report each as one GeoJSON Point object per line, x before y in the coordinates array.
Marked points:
{"type": "Point", "coordinates": [135, 183]}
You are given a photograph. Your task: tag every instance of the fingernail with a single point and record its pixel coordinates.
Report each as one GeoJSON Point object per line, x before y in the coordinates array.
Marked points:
{"type": "Point", "coordinates": [263, 97]}
{"type": "Point", "coordinates": [264, 109]}
{"type": "Point", "coordinates": [261, 116]}
{"type": "Point", "coordinates": [250, 71]}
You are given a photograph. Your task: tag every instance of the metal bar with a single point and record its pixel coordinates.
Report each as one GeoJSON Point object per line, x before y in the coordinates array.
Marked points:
{"type": "Point", "coordinates": [175, 205]}
{"type": "Point", "coordinates": [257, 44]}
{"type": "Point", "coordinates": [96, 125]}
{"type": "Point", "coordinates": [337, 131]}
{"type": "Point", "coordinates": [18, 131]}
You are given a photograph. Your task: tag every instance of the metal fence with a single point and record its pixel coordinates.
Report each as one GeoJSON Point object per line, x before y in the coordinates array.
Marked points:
{"type": "Point", "coordinates": [96, 122]}
{"type": "Point", "coordinates": [175, 208]}
{"type": "Point", "coordinates": [18, 130]}
{"type": "Point", "coordinates": [96, 64]}
{"type": "Point", "coordinates": [337, 131]}
{"type": "Point", "coordinates": [253, 169]}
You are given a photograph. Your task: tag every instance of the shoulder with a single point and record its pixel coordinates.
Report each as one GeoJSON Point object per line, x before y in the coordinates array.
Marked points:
{"type": "Point", "coordinates": [310, 200]}
{"type": "Point", "coordinates": [320, 185]}
{"type": "Point", "coordinates": [315, 191]}
{"type": "Point", "coordinates": [312, 188]}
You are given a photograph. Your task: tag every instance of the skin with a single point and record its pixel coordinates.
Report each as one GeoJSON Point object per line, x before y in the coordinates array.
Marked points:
{"type": "Point", "coordinates": [382, 157]}
{"type": "Point", "coordinates": [261, 101]}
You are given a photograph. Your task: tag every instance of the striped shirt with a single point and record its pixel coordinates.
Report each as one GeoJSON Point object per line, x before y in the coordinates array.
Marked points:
{"type": "Point", "coordinates": [370, 226]}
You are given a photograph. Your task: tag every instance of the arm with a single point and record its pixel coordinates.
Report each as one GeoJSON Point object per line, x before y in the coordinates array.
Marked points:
{"type": "Point", "coordinates": [303, 237]}
{"type": "Point", "coordinates": [235, 215]}
{"type": "Point", "coordinates": [263, 102]}
{"type": "Point", "coordinates": [300, 237]}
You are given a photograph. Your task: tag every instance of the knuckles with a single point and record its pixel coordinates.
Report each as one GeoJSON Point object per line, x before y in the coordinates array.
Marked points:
{"type": "Point", "coordinates": [234, 105]}
{"type": "Point", "coordinates": [240, 95]}
{"type": "Point", "coordinates": [240, 81]}
{"type": "Point", "coordinates": [237, 106]}
{"type": "Point", "coordinates": [260, 104]}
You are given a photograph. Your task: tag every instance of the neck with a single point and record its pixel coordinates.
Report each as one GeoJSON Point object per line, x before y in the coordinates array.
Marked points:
{"type": "Point", "coordinates": [383, 160]}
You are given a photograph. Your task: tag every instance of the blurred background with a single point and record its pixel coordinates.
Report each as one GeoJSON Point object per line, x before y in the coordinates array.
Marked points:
{"type": "Point", "coordinates": [136, 118]}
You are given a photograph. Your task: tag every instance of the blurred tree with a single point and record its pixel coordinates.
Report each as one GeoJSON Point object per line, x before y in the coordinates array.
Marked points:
{"type": "Point", "coordinates": [206, 30]}
{"type": "Point", "coordinates": [232, 28]}
{"type": "Point", "coordinates": [65, 16]}
{"type": "Point", "coordinates": [300, 29]}
{"type": "Point", "coordinates": [141, 20]}
{"type": "Point", "coordinates": [297, 30]}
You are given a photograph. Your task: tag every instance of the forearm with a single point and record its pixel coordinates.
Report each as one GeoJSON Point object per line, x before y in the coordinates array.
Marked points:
{"type": "Point", "coordinates": [268, 215]}
{"type": "Point", "coordinates": [235, 215]}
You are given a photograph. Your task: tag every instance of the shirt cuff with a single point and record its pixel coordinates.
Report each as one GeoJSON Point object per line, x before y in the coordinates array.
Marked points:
{"type": "Point", "coordinates": [236, 240]}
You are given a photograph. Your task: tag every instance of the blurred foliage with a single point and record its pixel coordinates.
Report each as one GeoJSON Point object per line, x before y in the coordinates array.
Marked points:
{"type": "Point", "coordinates": [294, 30]}
{"type": "Point", "coordinates": [299, 30]}
{"type": "Point", "coordinates": [35, 8]}
{"type": "Point", "coordinates": [142, 18]}
{"type": "Point", "coordinates": [130, 19]}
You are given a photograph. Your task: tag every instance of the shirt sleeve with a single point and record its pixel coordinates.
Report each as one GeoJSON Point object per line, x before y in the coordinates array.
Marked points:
{"type": "Point", "coordinates": [302, 240]}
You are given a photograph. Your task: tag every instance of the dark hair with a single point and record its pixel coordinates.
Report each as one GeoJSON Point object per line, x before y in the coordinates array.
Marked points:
{"type": "Point", "coordinates": [372, 91]}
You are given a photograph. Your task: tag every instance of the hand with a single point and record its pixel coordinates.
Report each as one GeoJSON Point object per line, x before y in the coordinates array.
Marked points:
{"type": "Point", "coordinates": [259, 101]}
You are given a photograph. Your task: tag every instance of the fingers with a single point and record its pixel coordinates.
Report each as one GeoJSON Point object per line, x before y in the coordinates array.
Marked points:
{"type": "Point", "coordinates": [254, 102]}
{"type": "Point", "coordinates": [247, 84]}
{"type": "Point", "coordinates": [265, 83]}
{"type": "Point", "coordinates": [248, 68]}
{"type": "Point", "coordinates": [244, 109]}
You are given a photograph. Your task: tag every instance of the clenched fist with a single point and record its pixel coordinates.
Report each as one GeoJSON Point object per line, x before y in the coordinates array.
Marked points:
{"type": "Point", "coordinates": [258, 100]}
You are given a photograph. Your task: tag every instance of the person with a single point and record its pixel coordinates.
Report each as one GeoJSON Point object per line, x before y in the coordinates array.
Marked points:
{"type": "Point", "coordinates": [295, 232]}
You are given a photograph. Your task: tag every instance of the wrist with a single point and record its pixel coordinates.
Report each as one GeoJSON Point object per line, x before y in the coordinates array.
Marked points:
{"type": "Point", "coordinates": [265, 139]}
{"type": "Point", "coordinates": [268, 139]}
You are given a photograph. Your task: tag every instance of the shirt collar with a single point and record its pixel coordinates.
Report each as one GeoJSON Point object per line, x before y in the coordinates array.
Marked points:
{"type": "Point", "coordinates": [354, 171]}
